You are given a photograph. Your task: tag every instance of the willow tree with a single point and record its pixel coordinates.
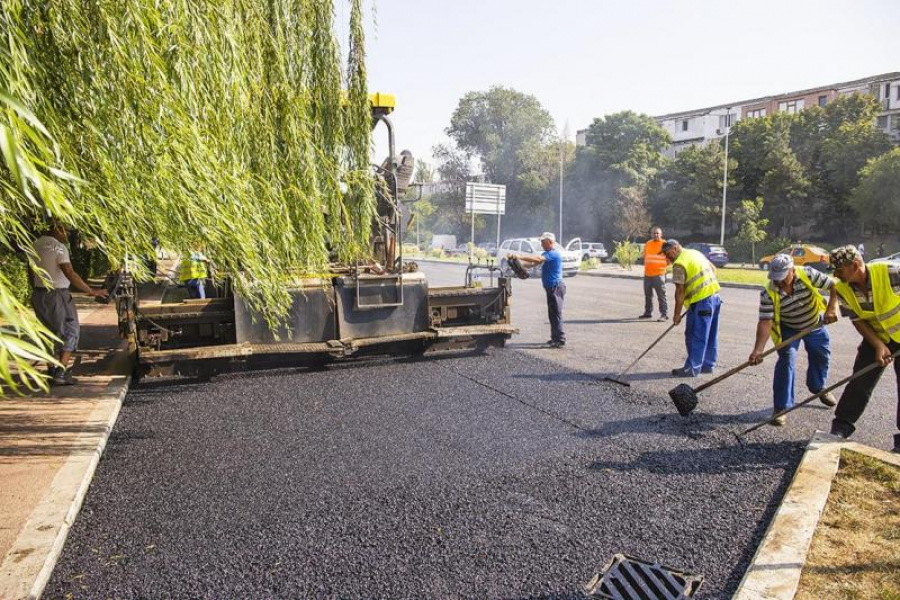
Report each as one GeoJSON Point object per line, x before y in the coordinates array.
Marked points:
{"type": "Point", "coordinates": [224, 124]}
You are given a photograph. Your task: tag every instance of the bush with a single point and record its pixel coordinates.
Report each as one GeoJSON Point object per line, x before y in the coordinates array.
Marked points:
{"type": "Point", "coordinates": [435, 253]}
{"type": "Point", "coordinates": [16, 272]}
{"type": "Point", "coordinates": [627, 253]}
{"type": "Point", "coordinates": [480, 253]}
{"type": "Point", "coordinates": [589, 264]}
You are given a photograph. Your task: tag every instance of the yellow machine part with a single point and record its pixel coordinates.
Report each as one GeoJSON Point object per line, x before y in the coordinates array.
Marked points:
{"type": "Point", "coordinates": [384, 103]}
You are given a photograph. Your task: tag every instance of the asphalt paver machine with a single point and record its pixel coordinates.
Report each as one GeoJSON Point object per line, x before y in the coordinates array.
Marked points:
{"type": "Point", "coordinates": [383, 307]}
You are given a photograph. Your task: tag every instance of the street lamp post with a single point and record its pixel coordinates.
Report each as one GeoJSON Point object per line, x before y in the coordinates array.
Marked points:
{"type": "Point", "coordinates": [725, 175]}
{"type": "Point", "coordinates": [562, 159]}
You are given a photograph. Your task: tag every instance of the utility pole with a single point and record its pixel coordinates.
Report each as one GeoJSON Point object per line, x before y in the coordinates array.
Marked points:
{"type": "Point", "coordinates": [725, 176]}
{"type": "Point", "coordinates": [562, 159]}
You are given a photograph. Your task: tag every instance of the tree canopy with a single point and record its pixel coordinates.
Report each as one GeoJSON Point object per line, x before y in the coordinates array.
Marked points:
{"type": "Point", "coordinates": [230, 125]}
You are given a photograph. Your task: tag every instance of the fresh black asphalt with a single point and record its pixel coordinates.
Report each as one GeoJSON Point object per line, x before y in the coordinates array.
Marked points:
{"type": "Point", "coordinates": [497, 476]}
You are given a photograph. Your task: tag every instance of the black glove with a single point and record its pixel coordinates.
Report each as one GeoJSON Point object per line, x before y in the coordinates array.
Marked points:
{"type": "Point", "coordinates": [516, 265]}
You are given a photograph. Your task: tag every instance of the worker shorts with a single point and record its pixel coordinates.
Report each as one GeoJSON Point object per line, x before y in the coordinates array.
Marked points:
{"type": "Point", "coordinates": [55, 309]}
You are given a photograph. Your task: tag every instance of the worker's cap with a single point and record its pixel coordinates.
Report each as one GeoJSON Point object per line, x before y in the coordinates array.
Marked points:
{"type": "Point", "coordinates": [780, 267]}
{"type": "Point", "coordinates": [547, 235]}
{"type": "Point", "coordinates": [843, 256]}
{"type": "Point", "coordinates": [669, 244]}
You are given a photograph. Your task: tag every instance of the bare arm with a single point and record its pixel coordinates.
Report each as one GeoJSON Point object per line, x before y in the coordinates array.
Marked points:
{"type": "Point", "coordinates": [831, 312]}
{"type": "Point", "coordinates": [679, 303]}
{"type": "Point", "coordinates": [763, 330]}
{"type": "Point", "coordinates": [79, 283]}
{"type": "Point", "coordinates": [530, 260]}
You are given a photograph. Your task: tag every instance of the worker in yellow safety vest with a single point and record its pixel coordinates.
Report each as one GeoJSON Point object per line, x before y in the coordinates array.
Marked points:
{"type": "Point", "coordinates": [870, 296]}
{"type": "Point", "coordinates": [790, 303]}
{"type": "Point", "coordinates": [655, 266]}
{"type": "Point", "coordinates": [697, 291]}
{"type": "Point", "coordinates": [193, 273]}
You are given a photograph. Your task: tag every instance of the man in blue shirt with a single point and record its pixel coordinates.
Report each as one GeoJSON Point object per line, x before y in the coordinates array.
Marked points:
{"type": "Point", "coordinates": [551, 277]}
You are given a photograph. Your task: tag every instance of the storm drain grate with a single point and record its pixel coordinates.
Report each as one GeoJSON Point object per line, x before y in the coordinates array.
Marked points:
{"type": "Point", "coordinates": [629, 578]}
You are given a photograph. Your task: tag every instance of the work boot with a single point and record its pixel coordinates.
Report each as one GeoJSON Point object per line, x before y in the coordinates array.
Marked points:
{"type": "Point", "coordinates": [708, 370]}
{"type": "Point", "coordinates": [557, 344]}
{"type": "Point", "coordinates": [63, 377]}
{"type": "Point", "coordinates": [842, 428]}
{"type": "Point", "coordinates": [682, 372]}
{"type": "Point", "coordinates": [645, 316]}
{"type": "Point", "coordinates": [828, 399]}
{"type": "Point", "coordinates": [778, 421]}
{"type": "Point", "coordinates": [662, 318]}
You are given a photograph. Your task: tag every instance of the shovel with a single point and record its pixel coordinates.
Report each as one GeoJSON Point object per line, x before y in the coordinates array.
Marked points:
{"type": "Point", "coordinates": [685, 397]}
{"type": "Point", "coordinates": [818, 395]}
{"type": "Point", "coordinates": [619, 378]}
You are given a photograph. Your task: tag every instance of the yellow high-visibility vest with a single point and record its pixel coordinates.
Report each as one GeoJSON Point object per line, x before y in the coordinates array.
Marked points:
{"type": "Point", "coordinates": [700, 278]}
{"type": "Point", "coordinates": [885, 318]}
{"type": "Point", "coordinates": [818, 302]}
{"type": "Point", "coordinates": [192, 268]}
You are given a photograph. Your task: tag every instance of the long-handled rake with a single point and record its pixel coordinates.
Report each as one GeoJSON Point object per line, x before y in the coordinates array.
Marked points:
{"type": "Point", "coordinates": [685, 397]}
{"type": "Point", "coordinates": [816, 396]}
{"type": "Point", "coordinates": [619, 378]}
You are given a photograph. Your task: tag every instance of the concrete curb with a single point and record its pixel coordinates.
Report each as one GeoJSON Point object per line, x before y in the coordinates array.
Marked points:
{"type": "Point", "coordinates": [778, 563]}
{"type": "Point", "coordinates": [27, 567]}
{"type": "Point", "coordinates": [742, 286]}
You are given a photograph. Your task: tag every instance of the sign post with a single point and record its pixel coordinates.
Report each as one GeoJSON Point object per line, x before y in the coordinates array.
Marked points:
{"type": "Point", "coordinates": [485, 199]}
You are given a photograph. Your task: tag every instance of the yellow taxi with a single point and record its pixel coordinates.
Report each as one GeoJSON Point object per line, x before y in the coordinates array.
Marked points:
{"type": "Point", "coordinates": [803, 254]}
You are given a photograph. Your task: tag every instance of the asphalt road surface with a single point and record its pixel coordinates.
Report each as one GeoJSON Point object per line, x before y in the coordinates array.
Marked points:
{"type": "Point", "coordinates": [518, 474]}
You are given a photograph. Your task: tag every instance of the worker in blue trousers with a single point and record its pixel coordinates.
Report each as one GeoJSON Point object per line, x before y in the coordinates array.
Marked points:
{"type": "Point", "coordinates": [697, 291]}
{"type": "Point", "coordinates": [792, 302]}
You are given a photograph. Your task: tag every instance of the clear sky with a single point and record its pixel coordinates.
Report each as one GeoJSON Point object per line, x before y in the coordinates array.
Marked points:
{"type": "Point", "coordinates": [586, 58]}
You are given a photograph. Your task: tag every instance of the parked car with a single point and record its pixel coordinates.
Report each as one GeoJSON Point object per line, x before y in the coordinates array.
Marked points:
{"type": "Point", "coordinates": [490, 247]}
{"type": "Point", "coordinates": [895, 257]}
{"type": "Point", "coordinates": [571, 254]}
{"type": "Point", "coordinates": [461, 250]}
{"type": "Point", "coordinates": [593, 250]}
{"type": "Point", "coordinates": [803, 255]}
{"type": "Point", "coordinates": [714, 253]}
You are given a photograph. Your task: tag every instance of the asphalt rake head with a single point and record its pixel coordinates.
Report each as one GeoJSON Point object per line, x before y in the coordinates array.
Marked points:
{"type": "Point", "coordinates": [684, 397]}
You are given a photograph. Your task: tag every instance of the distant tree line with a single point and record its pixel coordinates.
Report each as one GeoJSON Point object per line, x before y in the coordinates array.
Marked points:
{"type": "Point", "coordinates": [824, 174]}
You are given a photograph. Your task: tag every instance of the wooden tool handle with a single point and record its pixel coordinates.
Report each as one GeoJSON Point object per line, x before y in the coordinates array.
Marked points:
{"type": "Point", "coordinates": [650, 347]}
{"type": "Point", "coordinates": [746, 364]}
{"type": "Point", "coordinates": [818, 395]}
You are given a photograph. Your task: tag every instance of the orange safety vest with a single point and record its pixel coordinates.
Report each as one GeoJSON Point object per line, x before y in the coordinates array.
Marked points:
{"type": "Point", "coordinates": [654, 263]}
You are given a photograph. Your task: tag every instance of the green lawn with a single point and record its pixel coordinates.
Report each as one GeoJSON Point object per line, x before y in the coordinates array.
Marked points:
{"type": "Point", "coordinates": [739, 275]}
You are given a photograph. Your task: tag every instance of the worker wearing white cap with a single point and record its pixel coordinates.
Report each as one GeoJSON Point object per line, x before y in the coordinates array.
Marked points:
{"type": "Point", "coordinates": [551, 277]}
{"type": "Point", "coordinates": [790, 303]}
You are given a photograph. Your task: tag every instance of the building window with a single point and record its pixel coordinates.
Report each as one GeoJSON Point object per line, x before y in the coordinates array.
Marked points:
{"type": "Point", "coordinates": [756, 112]}
{"type": "Point", "coordinates": [887, 90]}
{"type": "Point", "coordinates": [684, 125]}
{"type": "Point", "coordinates": [883, 121]}
{"type": "Point", "coordinates": [823, 100]}
{"type": "Point", "coordinates": [726, 121]}
{"type": "Point", "coordinates": [898, 92]}
{"type": "Point", "coordinates": [791, 106]}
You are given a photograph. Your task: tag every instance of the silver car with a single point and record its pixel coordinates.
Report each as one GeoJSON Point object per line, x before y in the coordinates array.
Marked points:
{"type": "Point", "coordinates": [571, 254]}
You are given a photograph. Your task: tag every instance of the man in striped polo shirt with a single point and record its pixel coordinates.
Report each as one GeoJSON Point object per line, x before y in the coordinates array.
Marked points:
{"type": "Point", "coordinates": [790, 303]}
{"type": "Point", "coordinates": [870, 296]}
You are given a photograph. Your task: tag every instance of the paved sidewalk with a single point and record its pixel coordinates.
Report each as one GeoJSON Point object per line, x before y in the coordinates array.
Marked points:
{"type": "Point", "coordinates": [49, 447]}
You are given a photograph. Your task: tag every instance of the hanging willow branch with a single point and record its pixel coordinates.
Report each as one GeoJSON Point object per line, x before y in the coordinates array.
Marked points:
{"type": "Point", "coordinates": [211, 123]}
{"type": "Point", "coordinates": [222, 124]}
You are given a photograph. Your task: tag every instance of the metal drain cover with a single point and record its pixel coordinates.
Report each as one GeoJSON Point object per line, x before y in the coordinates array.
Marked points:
{"type": "Point", "coordinates": [629, 578]}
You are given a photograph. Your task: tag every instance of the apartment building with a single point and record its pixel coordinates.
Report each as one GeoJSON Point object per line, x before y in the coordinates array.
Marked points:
{"type": "Point", "coordinates": [700, 126]}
